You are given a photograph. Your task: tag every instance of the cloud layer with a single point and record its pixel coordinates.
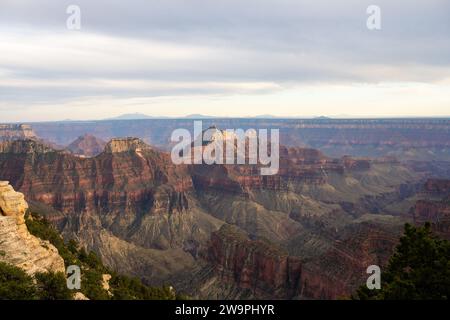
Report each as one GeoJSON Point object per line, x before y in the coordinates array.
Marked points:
{"type": "Point", "coordinates": [285, 57]}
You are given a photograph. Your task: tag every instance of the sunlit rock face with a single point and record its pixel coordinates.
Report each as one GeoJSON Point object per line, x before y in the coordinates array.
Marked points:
{"type": "Point", "coordinates": [17, 245]}
{"type": "Point", "coordinates": [120, 145]}
{"type": "Point", "coordinates": [11, 203]}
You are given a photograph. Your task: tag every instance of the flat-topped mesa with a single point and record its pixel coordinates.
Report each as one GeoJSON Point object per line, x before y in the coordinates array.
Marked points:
{"type": "Point", "coordinates": [16, 132]}
{"type": "Point", "coordinates": [118, 145]}
{"type": "Point", "coordinates": [17, 245]}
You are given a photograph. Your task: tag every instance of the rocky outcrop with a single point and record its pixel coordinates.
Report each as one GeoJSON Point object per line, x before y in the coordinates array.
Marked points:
{"type": "Point", "coordinates": [17, 245]}
{"type": "Point", "coordinates": [16, 131]}
{"type": "Point", "coordinates": [12, 204]}
{"type": "Point", "coordinates": [87, 145]}
{"type": "Point", "coordinates": [79, 296]}
{"type": "Point", "coordinates": [105, 283]}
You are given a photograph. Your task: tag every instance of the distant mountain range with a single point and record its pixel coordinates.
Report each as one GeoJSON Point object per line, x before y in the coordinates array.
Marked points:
{"type": "Point", "coordinates": [140, 116]}
{"type": "Point", "coordinates": [135, 116]}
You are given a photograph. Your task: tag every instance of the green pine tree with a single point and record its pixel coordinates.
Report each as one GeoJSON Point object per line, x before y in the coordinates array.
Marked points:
{"type": "Point", "coordinates": [419, 269]}
{"type": "Point", "coordinates": [52, 286]}
{"type": "Point", "coordinates": [15, 284]}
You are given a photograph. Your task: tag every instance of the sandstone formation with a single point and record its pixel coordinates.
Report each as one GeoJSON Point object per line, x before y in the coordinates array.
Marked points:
{"type": "Point", "coordinates": [12, 203]}
{"type": "Point", "coordinates": [17, 245]}
{"type": "Point", "coordinates": [79, 296]}
{"type": "Point", "coordinates": [119, 145]}
{"type": "Point", "coordinates": [105, 283]}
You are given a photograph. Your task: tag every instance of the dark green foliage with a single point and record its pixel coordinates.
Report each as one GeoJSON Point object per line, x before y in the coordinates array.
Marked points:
{"type": "Point", "coordinates": [419, 269]}
{"type": "Point", "coordinates": [91, 285]}
{"type": "Point", "coordinates": [92, 261]}
{"type": "Point", "coordinates": [72, 246]}
{"type": "Point", "coordinates": [52, 286]}
{"type": "Point", "coordinates": [127, 288]}
{"type": "Point", "coordinates": [15, 284]}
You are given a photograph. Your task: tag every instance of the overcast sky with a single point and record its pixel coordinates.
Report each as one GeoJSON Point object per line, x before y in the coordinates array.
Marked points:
{"type": "Point", "coordinates": [224, 58]}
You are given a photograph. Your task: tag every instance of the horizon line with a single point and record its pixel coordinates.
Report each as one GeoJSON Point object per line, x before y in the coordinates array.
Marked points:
{"type": "Point", "coordinates": [207, 117]}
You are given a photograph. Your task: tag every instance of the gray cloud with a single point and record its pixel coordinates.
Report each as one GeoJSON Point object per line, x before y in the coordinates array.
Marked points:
{"type": "Point", "coordinates": [252, 46]}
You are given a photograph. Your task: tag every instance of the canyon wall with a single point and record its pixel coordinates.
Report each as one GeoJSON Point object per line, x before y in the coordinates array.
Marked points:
{"type": "Point", "coordinates": [305, 234]}
{"type": "Point", "coordinates": [258, 266]}
{"type": "Point", "coordinates": [435, 207]}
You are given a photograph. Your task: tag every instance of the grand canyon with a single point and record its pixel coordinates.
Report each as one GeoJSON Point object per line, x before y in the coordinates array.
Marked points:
{"type": "Point", "coordinates": [337, 205]}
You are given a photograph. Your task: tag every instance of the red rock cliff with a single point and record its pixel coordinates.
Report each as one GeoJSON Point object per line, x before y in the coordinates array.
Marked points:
{"type": "Point", "coordinates": [254, 265]}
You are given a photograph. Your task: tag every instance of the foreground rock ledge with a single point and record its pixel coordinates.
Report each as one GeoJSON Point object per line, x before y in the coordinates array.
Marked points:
{"type": "Point", "coordinates": [17, 246]}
